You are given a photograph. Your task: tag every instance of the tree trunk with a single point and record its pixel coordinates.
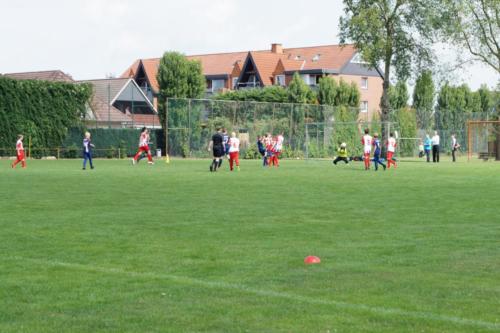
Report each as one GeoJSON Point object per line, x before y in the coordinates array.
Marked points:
{"type": "Point", "coordinates": [384, 103]}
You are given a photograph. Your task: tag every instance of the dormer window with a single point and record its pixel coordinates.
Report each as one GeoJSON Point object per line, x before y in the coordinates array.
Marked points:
{"type": "Point", "coordinates": [297, 57]}
{"type": "Point", "coordinates": [316, 57]}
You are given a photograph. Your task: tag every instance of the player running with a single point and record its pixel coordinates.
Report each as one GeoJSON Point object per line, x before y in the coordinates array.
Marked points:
{"type": "Point", "coordinates": [143, 147]}
{"type": "Point", "coordinates": [278, 147]}
{"type": "Point", "coordinates": [234, 151]}
{"type": "Point", "coordinates": [377, 152]}
{"type": "Point", "coordinates": [87, 151]}
{"type": "Point", "coordinates": [367, 141]}
{"type": "Point", "coordinates": [391, 148]}
{"type": "Point", "coordinates": [217, 146]}
{"type": "Point", "coordinates": [20, 152]}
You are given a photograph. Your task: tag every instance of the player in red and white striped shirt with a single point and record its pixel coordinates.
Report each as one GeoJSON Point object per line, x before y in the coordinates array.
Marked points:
{"type": "Point", "coordinates": [20, 152]}
{"type": "Point", "coordinates": [143, 147]}
{"type": "Point", "coordinates": [367, 142]}
{"type": "Point", "coordinates": [234, 152]}
{"type": "Point", "coordinates": [391, 148]}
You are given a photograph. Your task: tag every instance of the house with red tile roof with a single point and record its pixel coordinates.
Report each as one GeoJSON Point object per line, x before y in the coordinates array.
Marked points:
{"type": "Point", "coordinates": [54, 75]}
{"type": "Point", "coordinates": [276, 66]}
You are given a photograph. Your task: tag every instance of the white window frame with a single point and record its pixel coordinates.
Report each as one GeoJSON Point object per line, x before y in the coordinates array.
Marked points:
{"type": "Point", "coordinates": [364, 83]}
{"type": "Point", "coordinates": [281, 80]}
{"type": "Point", "coordinates": [306, 78]}
{"type": "Point", "coordinates": [363, 107]}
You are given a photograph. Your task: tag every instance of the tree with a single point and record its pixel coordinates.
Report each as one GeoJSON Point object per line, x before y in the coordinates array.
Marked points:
{"type": "Point", "coordinates": [487, 99]}
{"type": "Point", "coordinates": [178, 77]}
{"type": "Point", "coordinates": [298, 91]}
{"type": "Point", "coordinates": [398, 96]}
{"type": "Point", "coordinates": [423, 99]}
{"type": "Point", "coordinates": [475, 25]}
{"type": "Point", "coordinates": [327, 90]}
{"type": "Point", "coordinates": [397, 33]}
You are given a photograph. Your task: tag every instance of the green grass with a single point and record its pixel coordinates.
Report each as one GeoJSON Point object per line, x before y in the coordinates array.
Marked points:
{"type": "Point", "coordinates": [178, 249]}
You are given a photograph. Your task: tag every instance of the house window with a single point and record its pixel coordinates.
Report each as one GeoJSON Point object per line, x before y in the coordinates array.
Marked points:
{"type": "Point", "coordinates": [364, 106]}
{"type": "Point", "coordinates": [235, 82]}
{"type": "Point", "coordinates": [280, 80]}
{"type": "Point", "coordinates": [218, 85]}
{"type": "Point", "coordinates": [305, 78]}
{"type": "Point", "coordinates": [364, 83]}
{"type": "Point", "coordinates": [314, 80]}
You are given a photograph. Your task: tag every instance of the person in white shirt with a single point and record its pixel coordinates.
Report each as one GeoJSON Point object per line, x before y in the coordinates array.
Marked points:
{"type": "Point", "coordinates": [234, 152]}
{"type": "Point", "coordinates": [367, 141]}
{"type": "Point", "coordinates": [391, 148]}
{"type": "Point", "coordinates": [454, 147]}
{"type": "Point", "coordinates": [435, 147]}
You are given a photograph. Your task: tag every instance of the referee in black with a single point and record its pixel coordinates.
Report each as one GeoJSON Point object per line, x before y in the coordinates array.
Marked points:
{"type": "Point", "coordinates": [217, 146]}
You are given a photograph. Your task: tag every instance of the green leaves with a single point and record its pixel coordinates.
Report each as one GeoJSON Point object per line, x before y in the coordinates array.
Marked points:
{"type": "Point", "coordinates": [41, 110]}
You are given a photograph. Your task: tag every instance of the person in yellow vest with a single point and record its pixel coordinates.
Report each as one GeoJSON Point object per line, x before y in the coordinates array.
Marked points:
{"type": "Point", "coordinates": [342, 154]}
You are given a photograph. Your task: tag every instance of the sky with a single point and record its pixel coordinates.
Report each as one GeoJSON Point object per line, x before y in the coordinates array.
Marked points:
{"type": "Point", "coordinates": [91, 39]}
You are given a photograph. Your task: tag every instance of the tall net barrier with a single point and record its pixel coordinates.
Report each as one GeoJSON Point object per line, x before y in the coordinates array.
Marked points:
{"type": "Point", "coordinates": [483, 140]}
{"type": "Point", "coordinates": [191, 124]}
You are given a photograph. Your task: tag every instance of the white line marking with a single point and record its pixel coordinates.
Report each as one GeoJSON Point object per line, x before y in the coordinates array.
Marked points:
{"type": "Point", "coordinates": [269, 293]}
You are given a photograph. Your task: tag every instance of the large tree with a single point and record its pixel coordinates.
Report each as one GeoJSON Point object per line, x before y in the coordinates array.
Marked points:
{"type": "Point", "coordinates": [395, 33]}
{"type": "Point", "coordinates": [178, 77]}
{"type": "Point", "coordinates": [475, 25]}
{"type": "Point", "coordinates": [423, 99]}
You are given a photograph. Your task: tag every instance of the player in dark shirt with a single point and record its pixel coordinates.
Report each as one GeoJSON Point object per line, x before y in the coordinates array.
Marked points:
{"type": "Point", "coordinates": [217, 146]}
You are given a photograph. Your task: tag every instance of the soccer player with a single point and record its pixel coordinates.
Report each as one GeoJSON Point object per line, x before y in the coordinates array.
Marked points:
{"type": "Point", "coordinates": [234, 151]}
{"type": "Point", "coordinates": [278, 147]}
{"type": "Point", "coordinates": [217, 146]}
{"type": "Point", "coordinates": [367, 141]}
{"type": "Point", "coordinates": [20, 152]}
{"type": "Point", "coordinates": [377, 152]}
{"type": "Point", "coordinates": [454, 147]}
{"type": "Point", "coordinates": [262, 149]}
{"type": "Point", "coordinates": [225, 144]}
{"type": "Point", "coordinates": [391, 148]}
{"type": "Point", "coordinates": [271, 152]}
{"type": "Point", "coordinates": [87, 151]}
{"type": "Point", "coordinates": [143, 147]}
{"type": "Point", "coordinates": [435, 147]}
{"type": "Point", "coordinates": [342, 151]}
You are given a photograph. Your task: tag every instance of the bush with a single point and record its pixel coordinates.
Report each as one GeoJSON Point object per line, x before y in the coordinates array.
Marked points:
{"type": "Point", "coordinates": [71, 152]}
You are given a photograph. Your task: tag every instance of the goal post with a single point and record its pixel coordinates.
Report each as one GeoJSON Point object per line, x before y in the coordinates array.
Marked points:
{"type": "Point", "coordinates": [483, 139]}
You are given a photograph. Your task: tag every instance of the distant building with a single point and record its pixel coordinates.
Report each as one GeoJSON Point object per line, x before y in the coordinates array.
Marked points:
{"type": "Point", "coordinates": [240, 70]}
{"type": "Point", "coordinates": [55, 75]}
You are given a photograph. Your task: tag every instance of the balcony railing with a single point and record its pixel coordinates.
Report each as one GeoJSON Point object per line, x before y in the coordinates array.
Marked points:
{"type": "Point", "coordinates": [248, 85]}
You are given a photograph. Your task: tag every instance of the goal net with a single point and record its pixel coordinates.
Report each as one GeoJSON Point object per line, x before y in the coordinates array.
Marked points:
{"type": "Point", "coordinates": [483, 139]}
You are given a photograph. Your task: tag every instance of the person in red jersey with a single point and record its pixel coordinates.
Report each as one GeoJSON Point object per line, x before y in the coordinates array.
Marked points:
{"type": "Point", "coordinates": [143, 147]}
{"type": "Point", "coordinates": [367, 142]}
{"type": "Point", "coordinates": [391, 148]}
{"type": "Point", "coordinates": [20, 152]}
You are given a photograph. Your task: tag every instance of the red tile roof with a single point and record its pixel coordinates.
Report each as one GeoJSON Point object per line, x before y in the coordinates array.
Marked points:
{"type": "Point", "coordinates": [331, 57]}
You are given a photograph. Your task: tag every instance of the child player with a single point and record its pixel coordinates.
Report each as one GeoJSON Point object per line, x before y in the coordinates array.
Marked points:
{"type": "Point", "coordinates": [278, 147]}
{"type": "Point", "coordinates": [367, 147]}
{"type": "Point", "coordinates": [262, 149]}
{"type": "Point", "coordinates": [20, 152]}
{"type": "Point", "coordinates": [342, 154]}
{"type": "Point", "coordinates": [377, 152]}
{"type": "Point", "coordinates": [143, 147]}
{"type": "Point", "coordinates": [87, 151]}
{"type": "Point", "coordinates": [391, 148]}
{"type": "Point", "coordinates": [234, 151]}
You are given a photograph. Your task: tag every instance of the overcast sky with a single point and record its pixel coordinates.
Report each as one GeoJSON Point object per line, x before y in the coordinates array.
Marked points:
{"type": "Point", "coordinates": [92, 38]}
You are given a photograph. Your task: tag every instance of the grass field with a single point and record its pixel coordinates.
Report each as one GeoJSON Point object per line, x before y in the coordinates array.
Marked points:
{"type": "Point", "coordinates": [178, 249]}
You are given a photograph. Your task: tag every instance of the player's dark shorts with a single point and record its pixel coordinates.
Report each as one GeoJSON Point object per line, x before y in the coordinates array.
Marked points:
{"type": "Point", "coordinates": [218, 151]}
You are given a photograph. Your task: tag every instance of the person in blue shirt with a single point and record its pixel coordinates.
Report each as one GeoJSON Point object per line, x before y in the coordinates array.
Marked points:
{"type": "Point", "coordinates": [262, 150]}
{"type": "Point", "coordinates": [87, 151]}
{"type": "Point", "coordinates": [428, 147]}
{"type": "Point", "coordinates": [377, 152]}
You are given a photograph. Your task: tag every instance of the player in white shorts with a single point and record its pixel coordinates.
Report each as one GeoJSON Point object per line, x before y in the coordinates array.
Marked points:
{"type": "Point", "coordinates": [367, 142]}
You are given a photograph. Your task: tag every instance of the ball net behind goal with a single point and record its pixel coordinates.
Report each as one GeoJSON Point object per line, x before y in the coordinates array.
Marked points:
{"type": "Point", "coordinates": [482, 139]}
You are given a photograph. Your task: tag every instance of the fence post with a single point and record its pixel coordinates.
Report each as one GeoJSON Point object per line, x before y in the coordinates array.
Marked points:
{"type": "Point", "coordinates": [58, 152]}
{"type": "Point", "coordinates": [119, 153]}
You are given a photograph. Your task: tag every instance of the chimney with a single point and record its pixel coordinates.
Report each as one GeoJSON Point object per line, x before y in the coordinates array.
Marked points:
{"type": "Point", "coordinates": [277, 48]}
